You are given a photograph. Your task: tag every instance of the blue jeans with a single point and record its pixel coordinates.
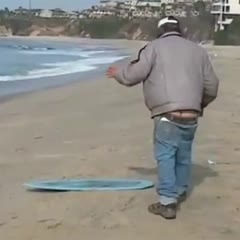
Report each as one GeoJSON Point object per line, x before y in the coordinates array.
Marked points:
{"type": "Point", "coordinates": [173, 150]}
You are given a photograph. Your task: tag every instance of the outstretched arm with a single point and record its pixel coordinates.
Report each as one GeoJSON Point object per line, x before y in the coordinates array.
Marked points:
{"type": "Point", "coordinates": [136, 71]}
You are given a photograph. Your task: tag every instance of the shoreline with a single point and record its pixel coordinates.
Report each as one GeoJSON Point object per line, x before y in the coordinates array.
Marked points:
{"type": "Point", "coordinates": [13, 96]}
{"type": "Point", "coordinates": [41, 84]}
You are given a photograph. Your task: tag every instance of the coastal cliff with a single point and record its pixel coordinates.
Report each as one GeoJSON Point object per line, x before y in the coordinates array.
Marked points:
{"type": "Point", "coordinates": [197, 28]}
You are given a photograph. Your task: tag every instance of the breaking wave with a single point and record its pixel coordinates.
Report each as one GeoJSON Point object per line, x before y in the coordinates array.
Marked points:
{"type": "Point", "coordinates": [87, 59]}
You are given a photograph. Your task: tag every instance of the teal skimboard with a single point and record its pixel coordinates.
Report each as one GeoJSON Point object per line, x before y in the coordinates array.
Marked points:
{"type": "Point", "coordinates": [91, 184]}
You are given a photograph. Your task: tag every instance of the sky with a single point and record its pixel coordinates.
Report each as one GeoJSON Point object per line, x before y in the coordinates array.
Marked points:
{"type": "Point", "coordinates": [65, 4]}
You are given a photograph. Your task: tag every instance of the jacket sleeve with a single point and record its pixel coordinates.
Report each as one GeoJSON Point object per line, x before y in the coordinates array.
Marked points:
{"type": "Point", "coordinates": [138, 70]}
{"type": "Point", "coordinates": [211, 82]}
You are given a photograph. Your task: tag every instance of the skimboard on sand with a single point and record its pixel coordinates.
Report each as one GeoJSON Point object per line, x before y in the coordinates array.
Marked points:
{"type": "Point", "coordinates": [89, 184]}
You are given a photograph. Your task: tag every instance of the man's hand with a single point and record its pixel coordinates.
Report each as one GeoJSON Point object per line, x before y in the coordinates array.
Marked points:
{"type": "Point", "coordinates": [111, 72]}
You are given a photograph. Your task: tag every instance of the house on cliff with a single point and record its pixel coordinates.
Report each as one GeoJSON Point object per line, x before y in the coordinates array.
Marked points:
{"type": "Point", "coordinates": [224, 12]}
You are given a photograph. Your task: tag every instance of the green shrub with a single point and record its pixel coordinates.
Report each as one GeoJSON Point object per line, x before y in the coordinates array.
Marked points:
{"type": "Point", "coordinates": [106, 27]}
{"type": "Point", "coordinates": [229, 36]}
{"type": "Point", "coordinates": [221, 38]}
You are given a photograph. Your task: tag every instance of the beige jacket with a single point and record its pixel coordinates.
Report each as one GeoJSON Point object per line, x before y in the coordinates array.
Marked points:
{"type": "Point", "coordinates": [176, 75]}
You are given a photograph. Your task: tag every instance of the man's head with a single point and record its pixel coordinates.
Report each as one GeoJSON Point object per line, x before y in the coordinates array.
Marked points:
{"type": "Point", "coordinates": [168, 24]}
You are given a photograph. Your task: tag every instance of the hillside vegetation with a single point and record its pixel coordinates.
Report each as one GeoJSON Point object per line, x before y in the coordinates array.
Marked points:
{"type": "Point", "coordinates": [229, 36]}
{"type": "Point", "coordinates": [197, 28]}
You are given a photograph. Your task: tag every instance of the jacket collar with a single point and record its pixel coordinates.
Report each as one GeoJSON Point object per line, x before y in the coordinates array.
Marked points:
{"type": "Point", "coordinates": [169, 34]}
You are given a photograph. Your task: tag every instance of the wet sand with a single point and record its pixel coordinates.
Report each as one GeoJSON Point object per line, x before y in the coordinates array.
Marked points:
{"type": "Point", "coordinates": [99, 128]}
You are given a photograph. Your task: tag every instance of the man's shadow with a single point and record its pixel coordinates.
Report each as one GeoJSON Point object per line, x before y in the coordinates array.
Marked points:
{"type": "Point", "coordinates": [199, 174]}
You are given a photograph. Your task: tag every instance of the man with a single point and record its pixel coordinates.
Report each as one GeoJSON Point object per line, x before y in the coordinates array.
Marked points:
{"type": "Point", "coordinates": [178, 83]}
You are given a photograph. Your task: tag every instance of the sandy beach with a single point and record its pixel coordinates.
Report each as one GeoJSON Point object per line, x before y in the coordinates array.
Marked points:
{"type": "Point", "coordinates": [99, 128]}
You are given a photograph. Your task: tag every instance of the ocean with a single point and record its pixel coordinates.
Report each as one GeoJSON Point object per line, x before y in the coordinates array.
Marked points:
{"type": "Point", "coordinates": [27, 65]}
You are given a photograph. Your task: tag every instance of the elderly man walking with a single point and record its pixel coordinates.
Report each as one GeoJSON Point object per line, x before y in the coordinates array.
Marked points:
{"type": "Point", "coordinates": [178, 83]}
